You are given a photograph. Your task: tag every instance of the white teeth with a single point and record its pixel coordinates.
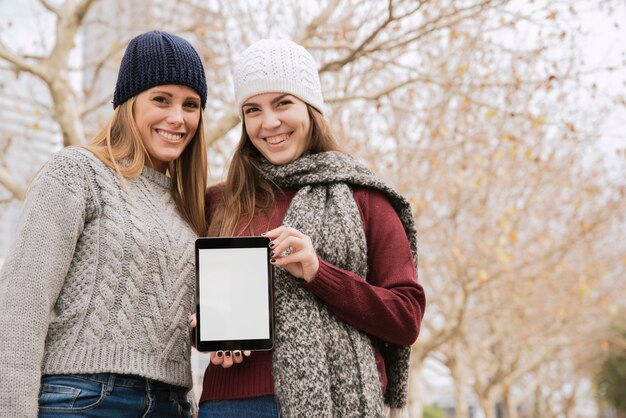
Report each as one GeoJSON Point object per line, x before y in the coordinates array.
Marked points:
{"type": "Point", "coordinates": [171, 137]}
{"type": "Point", "coordinates": [277, 139]}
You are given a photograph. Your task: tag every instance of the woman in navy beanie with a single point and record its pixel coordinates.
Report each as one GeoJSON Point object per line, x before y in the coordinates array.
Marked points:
{"type": "Point", "coordinates": [96, 290]}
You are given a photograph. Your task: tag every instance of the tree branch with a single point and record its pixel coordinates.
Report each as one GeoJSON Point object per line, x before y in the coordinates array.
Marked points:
{"type": "Point", "coordinates": [377, 95]}
{"type": "Point", "coordinates": [46, 4]}
{"type": "Point", "coordinates": [19, 62]}
{"type": "Point", "coordinates": [227, 122]}
{"type": "Point", "coordinates": [221, 127]}
{"type": "Point", "coordinates": [320, 20]}
{"type": "Point", "coordinates": [7, 182]}
{"type": "Point", "coordinates": [71, 16]}
{"type": "Point", "coordinates": [440, 22]}
{"type": "Point", "coordinates": [96, 106]}
{"type": "Point", "coordinates": [358, 51]}
{"type": "Point", "coordinates": [82, 8]}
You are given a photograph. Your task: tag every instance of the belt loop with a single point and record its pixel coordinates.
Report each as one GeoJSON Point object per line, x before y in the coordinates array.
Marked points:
{"type": "Point", "coordinates": [174, 396]}
{"type": "Point", "coordinates": [110, 384]}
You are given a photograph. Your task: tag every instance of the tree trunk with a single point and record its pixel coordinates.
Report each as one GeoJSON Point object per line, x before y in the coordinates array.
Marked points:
{"type": "Point", "coordinates": [540, 407]}
{"type": "Point", "coordinates": [460, 392]}
{"type": "Point", "coordinates": [415, 402]}
{"type": "Point", "coordinates": [487, 406]}
{"type": "Point", "coordinates": [66, 112]}
{"type": "Point", "coordinates": [568, 408]}
{"type": "Point", "coordinates": [510, 406]}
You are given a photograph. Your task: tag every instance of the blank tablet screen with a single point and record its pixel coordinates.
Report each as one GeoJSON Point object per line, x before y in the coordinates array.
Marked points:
{"type": "Point", "coordinates": [234, 294]}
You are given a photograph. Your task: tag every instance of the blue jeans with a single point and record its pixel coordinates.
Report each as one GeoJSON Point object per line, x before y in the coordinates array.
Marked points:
{"type": "Point", "coordinates": [261, 407]}
{"type": "Point", "coordinates": [110, 395]}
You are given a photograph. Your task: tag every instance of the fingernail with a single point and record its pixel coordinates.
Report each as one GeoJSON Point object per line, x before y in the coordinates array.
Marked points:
{"type": "Point", "coordinates": [273, 253]}
{"type": "Point", "coordinates": [237, 353]}
{"type": "Point", "coordinates": [263, 234]}
{"type": "Point", "coordinates": [219, 354]}
{"type": "Point", "coordinates": [272, 260]}
{"type": "Point", "coordinates": [228, 354]}
{"type": "Point", "coordinates": [272, 244]}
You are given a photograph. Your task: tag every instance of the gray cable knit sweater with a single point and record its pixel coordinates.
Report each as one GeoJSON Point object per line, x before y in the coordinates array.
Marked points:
{"type": "Point", "coordinates": [98, 280]}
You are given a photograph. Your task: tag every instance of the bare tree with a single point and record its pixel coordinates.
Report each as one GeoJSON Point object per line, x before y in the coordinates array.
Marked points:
{"type": "Point", "coordinates": [470, 108]}
{"type": "Point", "coordinates": [54, 68]}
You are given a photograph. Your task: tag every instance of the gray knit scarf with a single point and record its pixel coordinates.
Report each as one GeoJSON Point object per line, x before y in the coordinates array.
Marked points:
{"type": "Point", "coordinates": [322, 366]}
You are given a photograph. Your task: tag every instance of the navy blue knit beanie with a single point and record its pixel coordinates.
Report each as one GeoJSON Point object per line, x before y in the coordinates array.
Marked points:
{"type": "Point", "coordinates": [156, 58]}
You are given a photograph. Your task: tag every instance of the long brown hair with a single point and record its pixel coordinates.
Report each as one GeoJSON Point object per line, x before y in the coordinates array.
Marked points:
{"type": "Point", "coordinates": [120, 139]}
{"type": "Point", "coordinates": [246, 191]}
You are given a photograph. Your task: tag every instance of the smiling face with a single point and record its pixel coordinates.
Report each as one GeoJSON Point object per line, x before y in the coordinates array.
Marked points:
{"type": "Point", "coordinates": [167, 118]}
{"type": "Point", "coordinates": [278, 125]}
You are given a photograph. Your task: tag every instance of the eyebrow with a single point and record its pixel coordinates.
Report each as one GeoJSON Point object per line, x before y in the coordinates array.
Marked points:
{"type": "Point", "coordinates": [276, 99]}
{"type": "Point", "coordinates": [166, 93]}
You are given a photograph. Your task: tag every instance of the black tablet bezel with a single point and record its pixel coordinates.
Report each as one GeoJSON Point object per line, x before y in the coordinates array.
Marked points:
{"type": "Point", "coordinates": [245, 344]}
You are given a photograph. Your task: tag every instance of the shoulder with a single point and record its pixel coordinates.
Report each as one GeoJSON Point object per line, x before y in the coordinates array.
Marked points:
{"type": "Point", "coordinates": [212, 196]}
{"type": "Point", "coordinates": [74, 160]}
{"type": "Point", "coordinates": [72, 170]}
{"type": "Point", "coordinates": [386, 207]}
{"type": "Point", "coordinates": [214, 193]}
{"type": "Point", "coordinates": [376, 207]}
{"type": "Point", "coordinates": [69, 167]}
{"type": "Point", "coordinates": [372, 200]}
{"type": "Point", "coordinates": [79, 154]}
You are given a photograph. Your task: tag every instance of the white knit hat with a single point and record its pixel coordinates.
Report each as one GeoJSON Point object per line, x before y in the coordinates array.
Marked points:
{"type": "Point", "coordinates": [277, 66]}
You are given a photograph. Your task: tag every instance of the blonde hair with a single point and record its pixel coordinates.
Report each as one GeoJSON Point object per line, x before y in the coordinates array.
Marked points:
{"type": "Point", "coordinates": [121, 140]}
{"type": "Point", "coordinates": [246, 191]}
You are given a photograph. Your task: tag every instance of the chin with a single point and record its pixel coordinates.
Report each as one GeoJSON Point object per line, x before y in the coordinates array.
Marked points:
{"type": "Point", "coordinates": [280, 161]}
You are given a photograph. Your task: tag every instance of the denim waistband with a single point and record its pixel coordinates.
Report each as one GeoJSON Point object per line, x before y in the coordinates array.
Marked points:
{"type": "Point", "coordinates": [126, 380]}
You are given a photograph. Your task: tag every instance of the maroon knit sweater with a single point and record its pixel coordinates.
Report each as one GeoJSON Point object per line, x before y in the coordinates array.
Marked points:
{"type": "Point", "coordinates": [389, 306]}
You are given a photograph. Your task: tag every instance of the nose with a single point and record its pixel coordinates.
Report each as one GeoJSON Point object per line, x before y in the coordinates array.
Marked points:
{"type": "Point", "coordinates": [270, 120]}
{"type": "Point", "coordinates": [175, 116]}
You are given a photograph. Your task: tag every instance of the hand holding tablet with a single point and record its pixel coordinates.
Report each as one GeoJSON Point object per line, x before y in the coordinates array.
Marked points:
{"type": "Point", "coordinates": [293, 251]}
{"type": "Point", "coordinates": [219, 358]}
{"type": "Point", "coordinates": [226, 359]}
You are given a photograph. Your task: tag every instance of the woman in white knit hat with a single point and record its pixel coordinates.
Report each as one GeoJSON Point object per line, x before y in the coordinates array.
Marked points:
{"type": "Point", "coordinates": [347, 302]}
{"type": "Point", "coordinates": [96, 290]}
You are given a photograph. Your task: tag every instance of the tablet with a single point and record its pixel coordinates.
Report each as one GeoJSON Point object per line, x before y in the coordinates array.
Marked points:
{"type": "Point", "coordinates": [234, 297]}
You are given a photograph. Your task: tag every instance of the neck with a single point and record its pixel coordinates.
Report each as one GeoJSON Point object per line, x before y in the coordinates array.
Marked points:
{"type": "Point", "coordinates": [160, 166]}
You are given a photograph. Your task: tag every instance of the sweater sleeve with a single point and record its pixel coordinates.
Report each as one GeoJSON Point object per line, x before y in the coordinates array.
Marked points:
{"type": "Point", "coordinates": [32, 276]}
{"type": "Point", "coordinates": [390, 304]}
